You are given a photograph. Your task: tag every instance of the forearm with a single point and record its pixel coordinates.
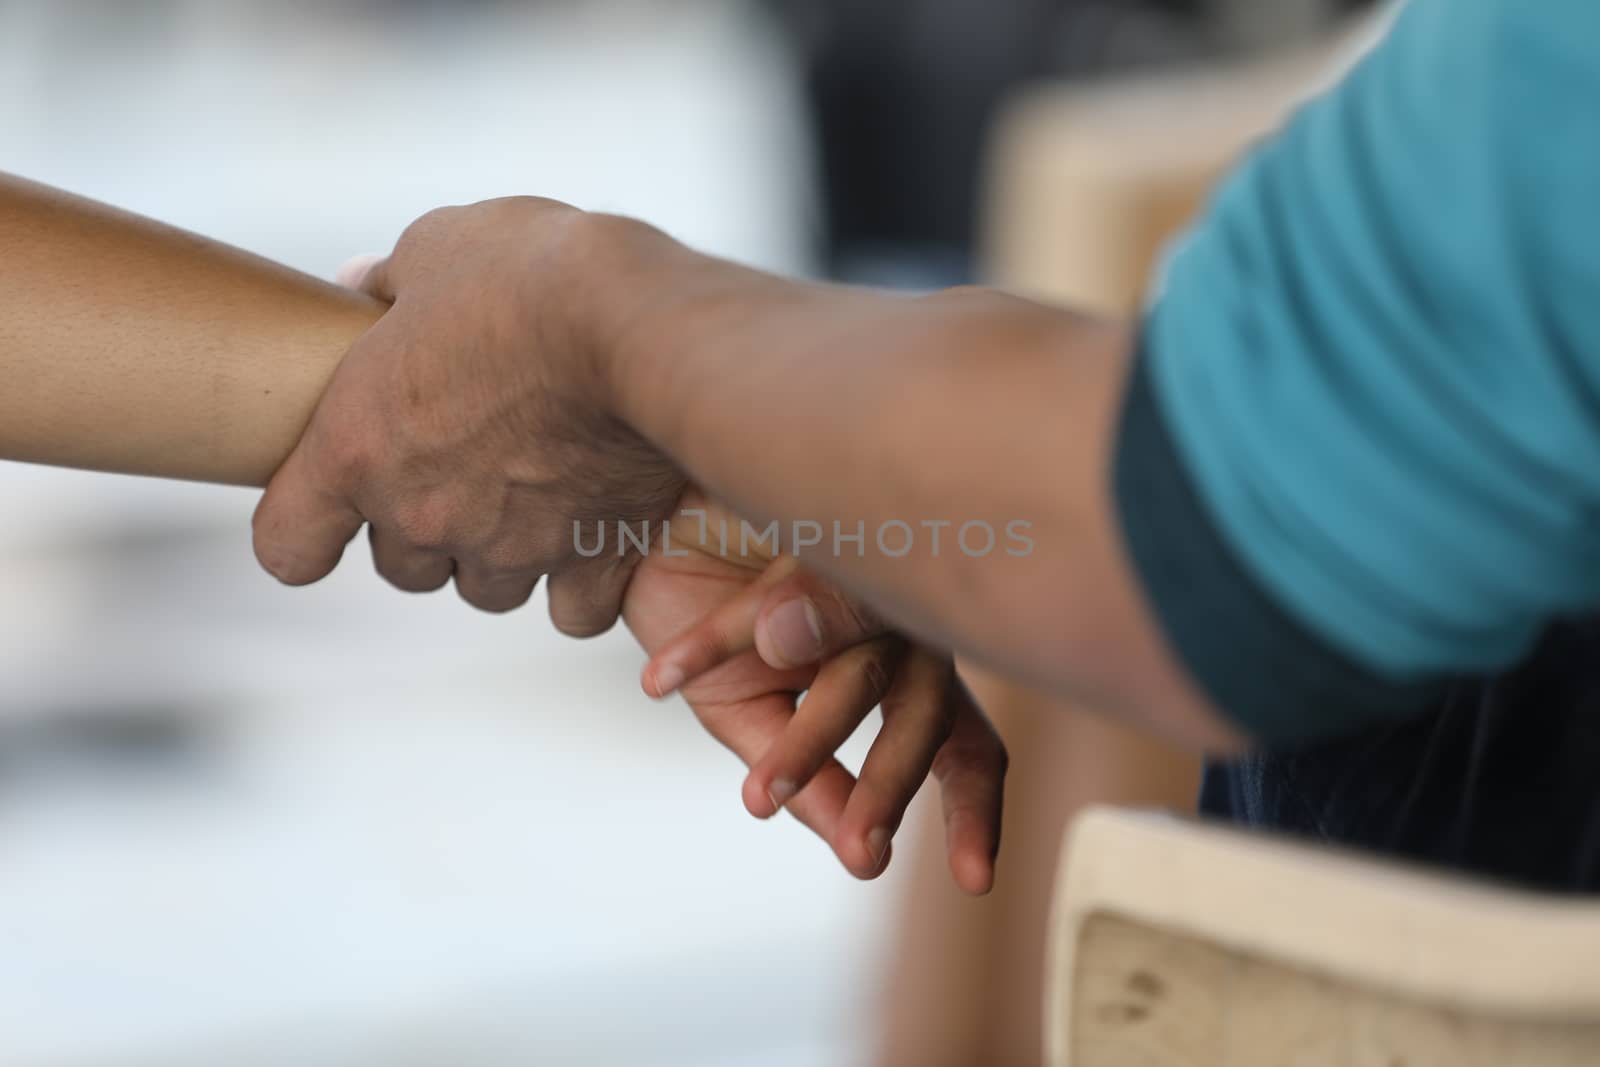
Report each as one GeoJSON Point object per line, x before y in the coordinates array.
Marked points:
{"type": "Point", "coordinates": [818, 404]}
{"type": "Point", "coordinates": [129, 346]}
{"type": "Point", "coordinates": [133, 347]}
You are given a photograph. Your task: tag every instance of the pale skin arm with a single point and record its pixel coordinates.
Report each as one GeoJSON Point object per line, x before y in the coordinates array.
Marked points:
{"type": "Point", "coordinates": [133, 347]}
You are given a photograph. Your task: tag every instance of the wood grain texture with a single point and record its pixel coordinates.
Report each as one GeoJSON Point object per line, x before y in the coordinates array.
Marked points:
{"type": "Point", "coordinates": [1176, 944]}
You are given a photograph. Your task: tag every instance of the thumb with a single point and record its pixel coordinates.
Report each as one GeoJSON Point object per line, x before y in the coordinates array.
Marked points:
{"type": "Point", "coordinates": [302, 527]}
{"type": "Point", "coordinates": [804, 620]}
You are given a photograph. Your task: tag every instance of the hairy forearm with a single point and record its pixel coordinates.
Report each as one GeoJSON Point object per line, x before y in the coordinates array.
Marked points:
{"type": "Point", "coordinates": [818, 404]}
{"type": "Point", "coordinates": [133, 347]}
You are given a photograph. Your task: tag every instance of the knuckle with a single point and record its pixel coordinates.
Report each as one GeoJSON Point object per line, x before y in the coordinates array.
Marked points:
{"type": "Point", "coordinates": [853, 620]}
{"type": "Point", "coordinates": [269, 557]}
{"type": "Point", "coordinates": [427, 225]}
{"type": "Point", "coordinates": [425, 522]}
{"type": "Point", "coordinates": [569, 615]}
{"type": "Point", "coordinates": [419, 240]}
{"type": "Point", "coordinates": [581, 623]}
{"type": "Point", "coordinates": [522, 204]}
{"type": "Point", "coordinates": [273, 556]}
{"type": "Point", "coordinates": [347, 452]}
{"type": "Point", "coordinates": [261, 525]}
{"type": "Point", "coordinates": [284, 565]}
{"type": "Point", "coordinates": [413, 579]}
{"type": "Point", "coordinates": [515, 555]}
{"type": "Point", "coordinates": [491, 597]}
{"type": "Point", "coordinates": [583, 603]}
{"type": "Point", "coordinates": [876, 672]}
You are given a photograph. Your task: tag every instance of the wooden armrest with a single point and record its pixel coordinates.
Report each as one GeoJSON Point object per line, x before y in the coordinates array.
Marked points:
{"type": "Point", "coordinates": [1180, 943]}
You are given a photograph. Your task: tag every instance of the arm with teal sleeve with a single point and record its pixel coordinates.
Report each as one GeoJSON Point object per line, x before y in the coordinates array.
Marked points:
{"type": "Point", "coordinates": [1361, 450]}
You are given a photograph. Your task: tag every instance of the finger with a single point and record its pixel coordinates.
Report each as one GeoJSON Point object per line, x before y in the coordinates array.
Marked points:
{"type": "Point", "coordinates": [353, 274]}
{"type": "Point", "coordinates": [806, 620]}
{"type": "Point", "coordinates": [377, 278]}
{"type": "Point", "coordinates": [727, 631]}
{"type": "Point", "coordinates": [971, 770]}
{"type": "Point", "coordinates": [586, 598]}
{"type": "Point", "coordinates": [724, 633]}
{"type": "Point", "coordinates": [749, 727]}
{"type": "Point", "coordinates": [916, 723]}
{"type": "Point", "coordinates": [301, 527]}
{"type": "Point", "coordinates": [844, 693]}
{"type": "Point", "coordinates": [410, 569]}
{"type": "Point", "coordinates": [494, 591]}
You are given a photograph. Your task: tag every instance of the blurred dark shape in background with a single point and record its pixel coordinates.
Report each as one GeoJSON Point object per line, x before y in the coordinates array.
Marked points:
{"type": "Point", "coordinates": [902, 92]}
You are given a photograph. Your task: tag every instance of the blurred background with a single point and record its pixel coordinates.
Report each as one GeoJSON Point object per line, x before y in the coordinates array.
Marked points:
{"type": "Point", "coordinates": [246, 825]}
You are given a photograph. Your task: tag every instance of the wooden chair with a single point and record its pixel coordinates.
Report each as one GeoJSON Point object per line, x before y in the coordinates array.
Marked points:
{"type": "Point", "coordinates": [1180, 944]}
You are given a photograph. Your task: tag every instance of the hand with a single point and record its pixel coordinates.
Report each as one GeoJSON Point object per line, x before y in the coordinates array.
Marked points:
{"type": "Point", "coordinates": [689, 600]}
{"type": "Point", "coordinates": [468, 426]}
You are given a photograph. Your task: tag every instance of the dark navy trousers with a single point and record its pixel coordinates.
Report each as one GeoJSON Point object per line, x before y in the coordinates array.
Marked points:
{"type": "Point", "coordinates": [1501, 778]}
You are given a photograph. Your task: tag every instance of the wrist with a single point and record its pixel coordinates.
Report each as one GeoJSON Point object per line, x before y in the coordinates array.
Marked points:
{"type": "Point", "coordinates": [621, 272]}
{"type": "Point", "coordinates": [657, 319]}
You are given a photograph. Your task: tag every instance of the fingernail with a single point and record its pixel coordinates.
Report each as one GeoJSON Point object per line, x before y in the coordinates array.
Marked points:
{"type": "Point", "coordinates": [668, 679]}
{"type": "Point", "coordinates": [877, 844]}
{"type": "Point", "coordinates": [795, 630]}
{"type": "Point", "coordinates": [781, 793]}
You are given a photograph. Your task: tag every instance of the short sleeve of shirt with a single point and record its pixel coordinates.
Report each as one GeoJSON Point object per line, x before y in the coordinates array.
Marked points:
{"type": "Point", "coordinates": [1360, 454]}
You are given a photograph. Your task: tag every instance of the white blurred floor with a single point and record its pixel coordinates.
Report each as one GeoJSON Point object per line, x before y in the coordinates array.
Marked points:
{"type": "Point", "coordinates": [342, 826]}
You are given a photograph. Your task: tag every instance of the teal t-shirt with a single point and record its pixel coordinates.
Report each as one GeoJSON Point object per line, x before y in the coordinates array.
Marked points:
{"type": "Point", "coordinates": [1377, 356]}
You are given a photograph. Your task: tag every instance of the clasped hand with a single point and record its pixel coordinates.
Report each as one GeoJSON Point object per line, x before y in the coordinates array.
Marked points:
{"type": "Point", "coordinates": [473, 432]}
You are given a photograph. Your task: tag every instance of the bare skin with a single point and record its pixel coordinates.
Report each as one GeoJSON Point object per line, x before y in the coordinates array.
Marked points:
{"type": "Point", "coordinates": [137, 348]}
{"type": "Point", "coordinates": [931, 725]}
{"type": "Point", "coordinates": [792, 402]}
